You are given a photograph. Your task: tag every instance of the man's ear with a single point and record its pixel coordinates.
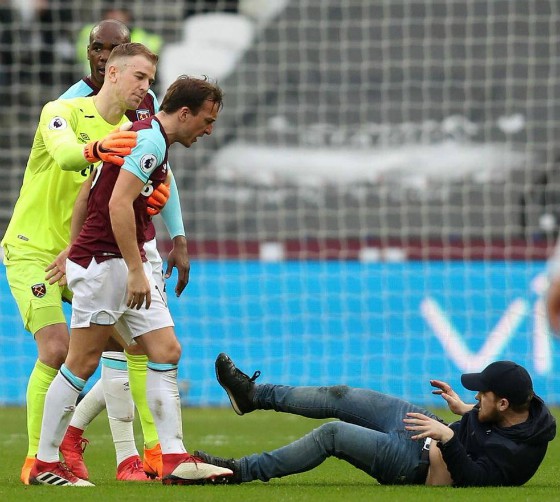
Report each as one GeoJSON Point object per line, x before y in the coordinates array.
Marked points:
{"type": "Point", "coordinates": [503, 404]}
{"type": "Point", "coordinates": [185, 112]}
{"type": "Point", "coordinates": [111, 72]}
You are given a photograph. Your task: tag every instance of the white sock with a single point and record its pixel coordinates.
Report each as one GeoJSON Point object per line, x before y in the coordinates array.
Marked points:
{"type": "Point", "coordinates": [165, 405]}
{"type": "Point", "coordinates": [60, 403]}
{"type": "Point", "coordinates": [120, 407]}
{"type": "Point", "coordinates": [92, 404]}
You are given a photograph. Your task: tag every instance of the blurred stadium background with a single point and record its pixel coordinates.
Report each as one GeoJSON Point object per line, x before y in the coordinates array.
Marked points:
{"type": "Point", "coordinates": [378, 199]}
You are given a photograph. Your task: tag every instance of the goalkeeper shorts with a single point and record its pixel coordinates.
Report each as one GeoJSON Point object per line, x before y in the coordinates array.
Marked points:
{"type": "Point", "coordinates": [39, 303]}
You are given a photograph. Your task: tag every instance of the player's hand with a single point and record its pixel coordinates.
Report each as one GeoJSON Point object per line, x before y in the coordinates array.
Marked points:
{"type": "Point", "coordinates": [112, 148]}
{"type": "Point", "coordinates": [553, 306]}
{"type": "Point", "coordinates": [138, 290]}
{"type": "Point", "coordinates": [56, 271]}
{"type": "Point", "coordinates": [179, 258]}
{"type": "Point", "coordinates": [427, 427]}
{"type": "Point", "coordinates": [450, 396]}
{"type": "Point", "coordinates": [158, 199]}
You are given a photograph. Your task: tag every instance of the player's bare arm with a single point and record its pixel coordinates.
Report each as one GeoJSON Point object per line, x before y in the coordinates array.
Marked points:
{"type": "Point", "coordinates": [127, 188]}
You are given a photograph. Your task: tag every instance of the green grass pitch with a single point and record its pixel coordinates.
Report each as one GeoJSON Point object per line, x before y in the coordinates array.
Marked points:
{"type": "Point", "coordinates": [222, 432]}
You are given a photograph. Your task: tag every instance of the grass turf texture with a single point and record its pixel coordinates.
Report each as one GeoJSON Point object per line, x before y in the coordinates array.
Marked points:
{"type": "Point", "coordinates": [221, 432]}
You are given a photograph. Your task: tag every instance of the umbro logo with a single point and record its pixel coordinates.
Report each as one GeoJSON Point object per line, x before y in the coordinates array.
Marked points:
{"type": "Point", "coordinates": [84, 136]}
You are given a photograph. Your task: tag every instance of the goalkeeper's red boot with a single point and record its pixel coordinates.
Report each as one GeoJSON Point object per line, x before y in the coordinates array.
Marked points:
{"type": "Point", "coordinates": [153, 464]}
{"type": "Point", "coordinates": [26, 469]}
{"type": "Point", "coordinates": [72, 448]}
{"type": "Point", "coordinates": [54, 473]}
{"type": "Point", "coordinates": [131, 469]}
{"type": "Point", "coordinates": [186, 469]}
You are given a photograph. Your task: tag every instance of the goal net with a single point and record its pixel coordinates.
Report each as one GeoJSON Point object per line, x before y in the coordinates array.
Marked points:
{"type": "Point", "coordinates": [377, 200]}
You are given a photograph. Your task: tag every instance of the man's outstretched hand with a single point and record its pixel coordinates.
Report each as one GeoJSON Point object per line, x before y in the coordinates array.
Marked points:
{"type": "Point", "coordinates": [450, 396]}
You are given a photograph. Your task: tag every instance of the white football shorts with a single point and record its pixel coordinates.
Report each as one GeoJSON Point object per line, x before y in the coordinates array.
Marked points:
{"type": "Point", "coordinates": [153, 256]}
{"type": "Point", "coordinates": [100, 297]}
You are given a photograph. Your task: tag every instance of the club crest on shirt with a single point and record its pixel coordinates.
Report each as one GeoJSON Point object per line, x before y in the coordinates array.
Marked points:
{"type": "Point", "coordinates": [58, 123]}
{"type": "Point", "coordinates": [39, 290]}
{"type": "Point", "coordinates": [148, 162]}
{"type": "Point", "coordinates": [142, 114]}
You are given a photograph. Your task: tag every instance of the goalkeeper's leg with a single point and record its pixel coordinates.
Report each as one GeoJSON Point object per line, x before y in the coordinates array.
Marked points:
{"type": "Point", "coordinates": [137, 373]}
{"type": "Point", "coordinates": [37, 387]}
{"type": "Point", "coordinates": [40, 307]}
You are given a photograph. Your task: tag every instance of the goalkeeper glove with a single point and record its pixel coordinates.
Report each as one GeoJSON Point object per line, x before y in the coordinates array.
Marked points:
{"type": "Point", "coordinates": [112, 148]}
{"type": "Point", "coordinates": [158, 199]}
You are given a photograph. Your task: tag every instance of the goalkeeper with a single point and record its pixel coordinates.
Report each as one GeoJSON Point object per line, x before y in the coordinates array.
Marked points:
{"type": "Point", "coordinates": [500, 441]}
{"type": "Point", "coordinates": [71, 137]}
{"type": "Point", "coordinates": [121, 369]}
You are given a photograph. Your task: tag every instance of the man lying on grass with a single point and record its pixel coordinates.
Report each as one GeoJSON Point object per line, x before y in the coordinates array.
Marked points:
{"type": "Point", "coordinates": [500, 441]}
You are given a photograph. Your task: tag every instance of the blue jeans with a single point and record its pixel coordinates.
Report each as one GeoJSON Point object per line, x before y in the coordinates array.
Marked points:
{"type": "Point", "coordinates": [370, 433]}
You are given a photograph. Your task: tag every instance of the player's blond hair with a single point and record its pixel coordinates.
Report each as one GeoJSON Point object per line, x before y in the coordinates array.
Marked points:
{"type": "Point", "coordinates": [131, 49]}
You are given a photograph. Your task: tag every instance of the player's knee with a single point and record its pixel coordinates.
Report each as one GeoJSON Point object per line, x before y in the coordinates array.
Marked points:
{"type": "Point", "coordinates": [82, 365]}
{"type": "Point", "coordinates": [53, 355]}
{"type": "Point", "coordinates": [174, 352]}
{"type": "Point", "coordinates": [169, 353]}
{"type": "Point", "coordinates": [52, 344]}
{"type": "Point", "coordinates": [52, 358]}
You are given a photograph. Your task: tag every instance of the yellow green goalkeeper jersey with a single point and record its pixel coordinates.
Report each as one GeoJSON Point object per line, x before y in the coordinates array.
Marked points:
{"type": "Point", "coordinates": [54, 174]}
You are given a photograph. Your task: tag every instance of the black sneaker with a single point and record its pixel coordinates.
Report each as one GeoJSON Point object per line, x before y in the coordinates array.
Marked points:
{"type": "Point", "coordinates": [239, 387]}
{"type": "Point", "coordinates": [225, 463]}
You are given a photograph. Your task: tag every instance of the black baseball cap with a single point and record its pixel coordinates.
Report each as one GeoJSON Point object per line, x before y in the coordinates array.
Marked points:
{"type": "Point", "coordinates": [504, 378]}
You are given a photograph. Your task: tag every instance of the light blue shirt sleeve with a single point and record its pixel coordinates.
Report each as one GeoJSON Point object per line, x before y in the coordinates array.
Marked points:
{"type": "Point", "coordinates": [148, 153]}
{"type": "Point", "coordinates": [79, 90]}
{"type": "Point", "coordinates": [171, 212]}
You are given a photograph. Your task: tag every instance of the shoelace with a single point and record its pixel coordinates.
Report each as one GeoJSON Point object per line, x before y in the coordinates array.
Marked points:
{"type": "Point", "coordinates": [66, 470]}
{"type": "Point", "coordinates": [256, 375]}
{"type": "Point", "coordinates": [81, 443]}
{"type": "Point", "coordinates": [137, 465]}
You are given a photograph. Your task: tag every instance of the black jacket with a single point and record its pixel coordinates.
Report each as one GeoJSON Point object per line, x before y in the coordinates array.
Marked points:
{"type": "Point", "coordinates": [482, 454]}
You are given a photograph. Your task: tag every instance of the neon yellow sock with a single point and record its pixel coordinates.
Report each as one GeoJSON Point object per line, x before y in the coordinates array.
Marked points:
{"type": "Point", "coordinates": [37, 386]}
{"type": "Point", "coordinates": [137, 372]}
